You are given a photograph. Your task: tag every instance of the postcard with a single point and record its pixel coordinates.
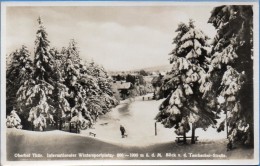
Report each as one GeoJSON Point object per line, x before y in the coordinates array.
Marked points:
{"type": "Point", "coordinates": [130, 82]}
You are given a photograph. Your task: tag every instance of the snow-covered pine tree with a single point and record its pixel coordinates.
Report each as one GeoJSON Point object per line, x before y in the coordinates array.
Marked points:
{"type": "Point", "coordinates": [90, 91]}
{"type": "Point", "coordinates": [76, 94]}
{"type": "Point", "coordinates": [103, 88]}
{"type": "Point", "coordinates": [19, 69]}
{"type": "Point", "coordinates": [73, 52]}
{"type": "Point", "coordinates": [13, 120]}
{"type": "Point", "coordinates": [231, 72]}
{"type": "Point", "coordinates": [43, 60]}
{"type": "Point", "coordinates": [184, 104]}
{"type": "Point", "coordinates": [60, 92]}
{"type": "Point", "coordinates": [35, 95]}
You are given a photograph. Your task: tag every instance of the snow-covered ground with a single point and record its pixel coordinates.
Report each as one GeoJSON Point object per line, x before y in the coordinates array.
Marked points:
{"type": "Point", "coordinates": [137, 116]}
{"type": "Point", "coordinates": [59, 142]}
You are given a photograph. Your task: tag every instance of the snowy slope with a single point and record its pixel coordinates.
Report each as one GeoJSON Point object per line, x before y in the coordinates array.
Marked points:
{"type": "Point", "coordinates": [137, 117]}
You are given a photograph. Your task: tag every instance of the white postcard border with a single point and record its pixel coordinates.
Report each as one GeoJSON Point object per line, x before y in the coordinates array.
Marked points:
{"type": "Point", "coordinates": [254, 161]}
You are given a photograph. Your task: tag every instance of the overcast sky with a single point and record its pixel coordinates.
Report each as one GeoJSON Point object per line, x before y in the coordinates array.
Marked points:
{"type": "Point", "coordinates": [119, 38]}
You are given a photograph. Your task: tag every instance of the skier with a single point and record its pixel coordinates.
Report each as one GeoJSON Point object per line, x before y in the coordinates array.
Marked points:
{"type": "Point", "coordinates": [122, 129]}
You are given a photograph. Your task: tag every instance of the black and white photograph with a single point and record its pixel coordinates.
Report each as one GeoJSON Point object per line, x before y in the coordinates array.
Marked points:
{"type": "Point", "coordinates": [131, 82]}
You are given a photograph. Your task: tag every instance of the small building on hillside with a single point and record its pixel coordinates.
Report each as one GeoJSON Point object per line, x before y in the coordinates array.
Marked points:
{"type": "Point", "coordinates": [123, 88]}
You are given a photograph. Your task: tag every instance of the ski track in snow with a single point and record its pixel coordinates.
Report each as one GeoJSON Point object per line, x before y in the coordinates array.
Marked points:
{"type": "Point", "coordinates": [137, 117]}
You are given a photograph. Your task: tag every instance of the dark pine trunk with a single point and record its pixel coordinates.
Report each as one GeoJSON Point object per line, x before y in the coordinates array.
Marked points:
{"type": "Point", "coordinates": [184, 138]}
{"type": "Point", "coordinates": [193, 134]}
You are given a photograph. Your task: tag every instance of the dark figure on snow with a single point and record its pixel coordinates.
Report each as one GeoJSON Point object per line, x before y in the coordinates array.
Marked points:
{"type": "Point", "coordinates": [122, 129]}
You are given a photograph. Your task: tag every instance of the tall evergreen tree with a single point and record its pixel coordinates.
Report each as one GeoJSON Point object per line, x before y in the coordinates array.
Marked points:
{"type": "Point", "coordinates": [36, 93]}
{"type": "Point", "coordinates": [99, 90]}
{"type": "Point", "coordinates": [19, 69]}
{"type": "Point", "coordinates": [60, 92]}
{"type": "Point", "coordinates": [43, 60]}
{"type": "Point", "coordinates": [74, 68]}
{"type": "Point", "coordinates": [184, 104]}
{"type": "Point", "coordinates": [231, 72]}
{"type": "Point", "coordinates": [89, 88]}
